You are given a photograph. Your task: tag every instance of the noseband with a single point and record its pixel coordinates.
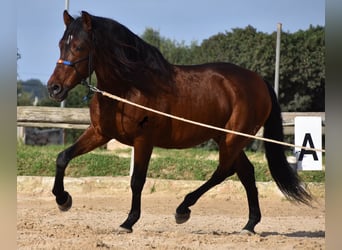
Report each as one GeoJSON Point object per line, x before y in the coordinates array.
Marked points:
{"type": "Point", "coordinates": [73, 65]}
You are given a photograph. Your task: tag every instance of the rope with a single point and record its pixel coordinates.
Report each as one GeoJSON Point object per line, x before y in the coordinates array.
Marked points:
{"type": "Point", "coordinates": [104, 93]}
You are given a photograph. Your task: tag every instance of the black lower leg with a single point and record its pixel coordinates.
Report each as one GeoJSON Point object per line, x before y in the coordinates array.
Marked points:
{"type": "Point", "coordinates": [88, 141]}
{"type": "Point", "coordinates": [191, 198]}
{"type": "Point", "coordinates": [137, 184]}
{"type": "Point", "coordinates": [245, 171]}
{"type": "Point", "coordinates": [254, 217]}
{"type": "Point", "coordinates": [183, 211]}
{"type": "Point", "coordinates": [63, 198]}
{"type": "Point", "coordinates": [133, 217]}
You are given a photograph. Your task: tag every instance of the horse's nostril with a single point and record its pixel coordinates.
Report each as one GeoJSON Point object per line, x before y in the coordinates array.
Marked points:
{"type": "Point", "coordinates": [57, 91]}
{"type": "Point", "coordinates": [56, 88]}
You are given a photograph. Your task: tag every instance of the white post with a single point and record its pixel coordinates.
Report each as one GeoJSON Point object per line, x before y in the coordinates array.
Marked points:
{"type": "Point", "coordinates": [276, 76]}
{"type": "Point", "coordinates": [66, 7]}
{"type": "Point", "coordinates": [132, 163]}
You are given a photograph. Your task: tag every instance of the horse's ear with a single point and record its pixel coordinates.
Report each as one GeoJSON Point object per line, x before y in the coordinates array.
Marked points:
{"type": "Point", "coordinates": [86, 20]}
{"type": "Point", "coordinates": [67, 18]}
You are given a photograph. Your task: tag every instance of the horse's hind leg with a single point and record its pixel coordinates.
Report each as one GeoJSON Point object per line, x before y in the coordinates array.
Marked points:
{"type": "Point", "coordinates": [229, 150]}
{"type": "Point", "coordinates": [88, 141]}
{"type": "Point", "coordinates": [183, 211]}
{"type": "Point", "coordinates": [245, 172]}
{"type": "Point", "coordinates": [231, 147]}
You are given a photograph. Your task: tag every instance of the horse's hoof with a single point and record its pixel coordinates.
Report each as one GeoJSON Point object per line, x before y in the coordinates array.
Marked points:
{"type": "Point", "coordinates": [182, 218]}
{"type": "Point", "coordinates": [67, 204]}
{"type": "Point", "coordinates": [247, 232]}
{"type": "Point", "coordinates": [123, 230]}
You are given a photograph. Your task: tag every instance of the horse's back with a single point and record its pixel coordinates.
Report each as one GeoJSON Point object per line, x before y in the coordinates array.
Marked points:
{"type": "Point", "coordinates": [219, 94]}
{"type": "Point", "coordinates": [225, 87]}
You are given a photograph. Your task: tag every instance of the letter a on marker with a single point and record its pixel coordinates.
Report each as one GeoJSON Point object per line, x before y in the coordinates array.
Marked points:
{"type": "Point", "coordinates": [308, 139]}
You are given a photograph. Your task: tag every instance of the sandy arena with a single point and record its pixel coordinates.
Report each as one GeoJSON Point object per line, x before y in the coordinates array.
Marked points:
{"type": "Point", "coordinates": [101, 204]}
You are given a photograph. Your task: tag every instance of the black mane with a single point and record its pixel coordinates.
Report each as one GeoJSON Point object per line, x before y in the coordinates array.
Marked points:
{"type": "Point", "coordinates": [135, 62]}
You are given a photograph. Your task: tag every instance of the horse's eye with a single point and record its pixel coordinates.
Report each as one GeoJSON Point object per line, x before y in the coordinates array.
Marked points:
{"type": "Point", "coordinates": [79, 48]}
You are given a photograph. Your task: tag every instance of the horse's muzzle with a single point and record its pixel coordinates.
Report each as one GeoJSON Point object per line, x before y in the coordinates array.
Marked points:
{"type": "Point", "coordinates": [57, 92]}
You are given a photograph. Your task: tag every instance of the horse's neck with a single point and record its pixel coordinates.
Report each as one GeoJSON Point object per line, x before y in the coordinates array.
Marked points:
{"type": "Point", "coordinates": [107, 82]}
{"type": "Point", "coordinates": [150, 85]}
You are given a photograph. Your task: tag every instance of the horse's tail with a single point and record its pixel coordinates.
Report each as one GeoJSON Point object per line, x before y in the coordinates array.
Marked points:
{"type": "Point", "coordinates": [286, 178]}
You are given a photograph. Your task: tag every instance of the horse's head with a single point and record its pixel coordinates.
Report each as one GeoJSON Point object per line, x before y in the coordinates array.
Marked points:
{"type": "Point", "coordinates": [74, 64]}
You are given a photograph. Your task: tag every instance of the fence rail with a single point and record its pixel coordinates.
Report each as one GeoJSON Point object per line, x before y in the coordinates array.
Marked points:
{"type": "Point", "coordinates": [53, 117]}
{"type": "Point", "coordinates": [78, 118]}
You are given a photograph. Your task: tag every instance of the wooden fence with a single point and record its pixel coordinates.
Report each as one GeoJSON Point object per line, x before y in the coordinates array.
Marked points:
{"type": "Point", "coordinates": [52, 117]}
{"type": "Point", "coordinates": [78, 118]}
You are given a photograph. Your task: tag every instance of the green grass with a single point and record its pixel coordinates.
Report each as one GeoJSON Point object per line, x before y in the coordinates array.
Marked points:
{"type": "Point", "coordinates": [40, 160]}
{"type": "Point", "coordinates": [189, 164]}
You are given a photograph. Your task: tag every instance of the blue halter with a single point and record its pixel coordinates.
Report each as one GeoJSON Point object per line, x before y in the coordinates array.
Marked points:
{"type": "Point", "coordinates": [71, 64]}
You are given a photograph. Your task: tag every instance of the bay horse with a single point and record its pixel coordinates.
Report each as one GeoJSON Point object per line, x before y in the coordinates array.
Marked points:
{"type": "Point", "coordinates": [219, 94]}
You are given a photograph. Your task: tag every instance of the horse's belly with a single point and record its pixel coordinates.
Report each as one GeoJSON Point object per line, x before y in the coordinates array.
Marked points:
{"type": "Point", "coordinates": [185, 135]}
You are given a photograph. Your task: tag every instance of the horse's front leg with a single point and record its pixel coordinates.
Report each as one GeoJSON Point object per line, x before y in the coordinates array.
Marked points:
{"type": "Point", "coordinates": [142, 155]}
{"type": "Point", "coordinates": [88, 141]}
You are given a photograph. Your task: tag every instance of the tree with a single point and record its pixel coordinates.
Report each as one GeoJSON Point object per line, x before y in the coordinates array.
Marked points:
{"type": "Point", "coordinates": [302, 62]}
{"type": "Point", "coordinates": [302, 70]}
{"type": "Point", "coordinates": [245, 47]}
{"type": "Point", "coordinates": [23, 98]}
{"type": "Point", "coordinates": [173, 51]}
{"type": "Point", "coordinates": [28, 90]}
